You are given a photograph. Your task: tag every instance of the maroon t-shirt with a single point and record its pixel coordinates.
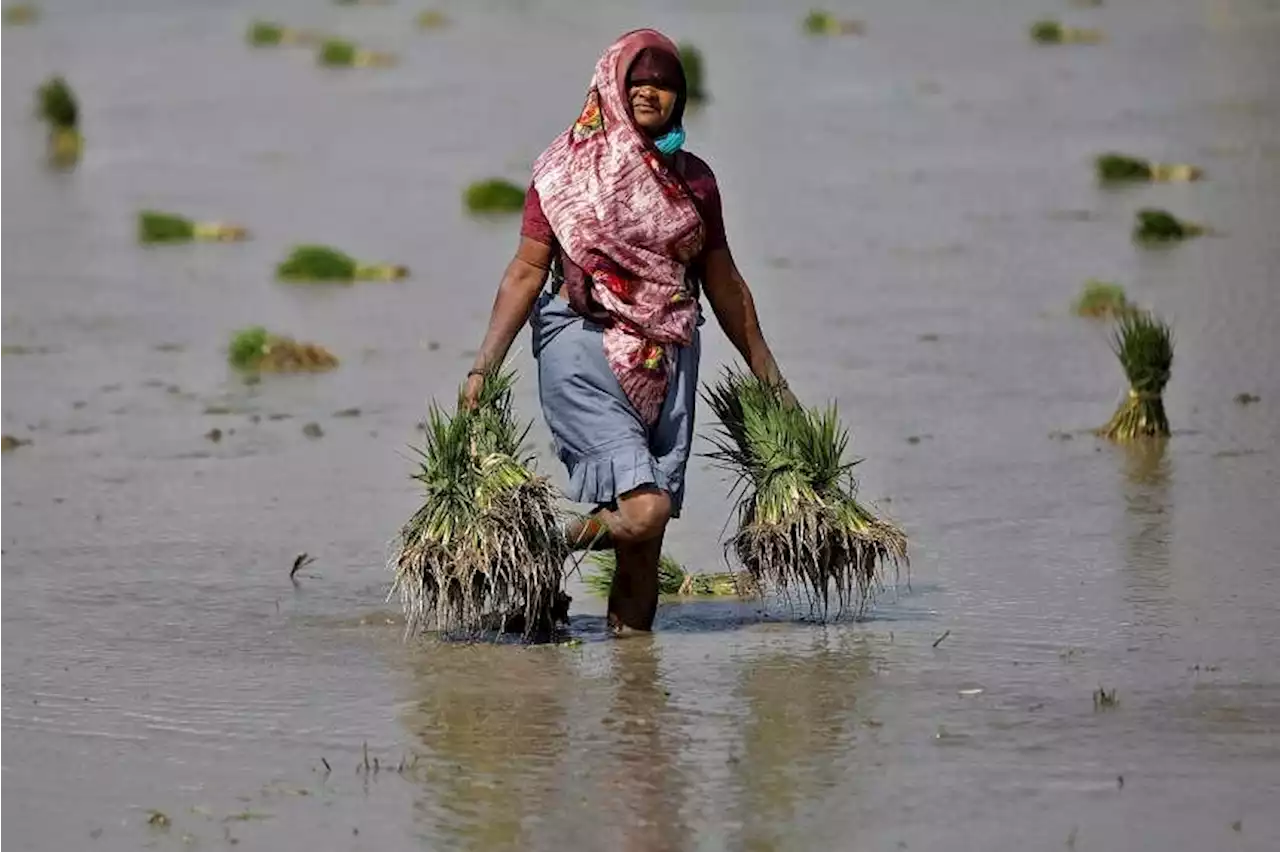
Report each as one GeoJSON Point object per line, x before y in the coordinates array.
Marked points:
{"type": "Point", "coordinates": [706, 195]}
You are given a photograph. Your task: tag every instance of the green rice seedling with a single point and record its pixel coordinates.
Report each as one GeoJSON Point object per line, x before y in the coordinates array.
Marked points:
{"type": "Point", "coordinates": [1102, 299]}
{"type": "Point", "coordinates": [1144, 345]}
{"type": "Point", "coordinates": [1160, 226]}
{"type": "Point", "coordinates": [1119, 168]}
{"type": "Point", "coordinates": [488, 539]}
{"type": "Point", "coordinates": [823, 23]}
{"type": "Point", "coordinates": [671, 574]}
{"type": "Point", "coordinates": [1052, 32]}
{"type": "Point", "coordinates": [322, 263]}
{"type": "Point", "coordinates": [257, 350]}
{"type": "Point", "coordinates": [691, 60]}
{"type": "Point", "coordinates": [340, 53]}
{"type": "Point", "coordinates": [800, 526]}
{"type": "Point", "coordinates": [157, 227]}
{"type": "Point", "coordinates": [19, 14]}
{"type": "Point", "coordinates": [432, 19]}
{"type": "Point", "coordinates": [673, 579]}
{"type": "Point", "coordinates": [494, 195]}
{"type": "Point", "coordinates": [56, 104]}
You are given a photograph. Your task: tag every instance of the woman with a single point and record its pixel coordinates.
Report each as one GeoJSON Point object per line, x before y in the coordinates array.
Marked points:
{"type": "Point", "coordinates": [629, 226]}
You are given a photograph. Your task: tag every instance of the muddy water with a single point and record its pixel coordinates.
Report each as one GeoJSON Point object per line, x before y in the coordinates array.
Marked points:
{"type": "Point", "coordinates": [915, 212]}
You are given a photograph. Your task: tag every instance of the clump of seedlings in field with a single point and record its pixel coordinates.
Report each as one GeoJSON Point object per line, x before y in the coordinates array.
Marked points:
{"type": "Point", "coordinates": [318, 263]}
{"type": "Point", "coordinates": [256, 350]}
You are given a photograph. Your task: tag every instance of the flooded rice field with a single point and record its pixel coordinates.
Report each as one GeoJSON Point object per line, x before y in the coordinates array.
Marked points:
{"type": "Point", "coordinates": [915, 209]}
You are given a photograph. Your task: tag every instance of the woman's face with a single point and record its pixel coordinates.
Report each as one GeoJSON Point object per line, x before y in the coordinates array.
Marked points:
{"type": "Point", "coordinates": [651, 104]}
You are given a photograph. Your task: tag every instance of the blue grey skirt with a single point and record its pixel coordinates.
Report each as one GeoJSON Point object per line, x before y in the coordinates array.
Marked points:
{"type": "Point", "coordinates": [606, 447]}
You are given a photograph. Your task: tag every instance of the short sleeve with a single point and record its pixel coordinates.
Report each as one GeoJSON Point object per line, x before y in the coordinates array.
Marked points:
{"type": "Point", "coordinates": [535, 225]}
{"type": "Point", "coordinates": [713, 219]}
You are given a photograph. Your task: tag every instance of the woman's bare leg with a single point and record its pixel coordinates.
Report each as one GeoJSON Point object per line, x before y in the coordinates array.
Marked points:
{"type": "Point", "coordinates": [635, 530]}
{"type": "Point", "coordinates": [633, 597]}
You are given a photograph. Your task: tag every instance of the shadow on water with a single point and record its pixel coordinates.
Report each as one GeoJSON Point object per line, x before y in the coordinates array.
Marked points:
{"type": "Point", "coordinates": [1148, 516]}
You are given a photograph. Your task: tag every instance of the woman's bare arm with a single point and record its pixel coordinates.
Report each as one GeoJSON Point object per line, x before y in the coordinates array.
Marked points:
{"type": "Point", "coordinates": [735, 310]}
{"type": "Point", "coordinates": [521, 283]}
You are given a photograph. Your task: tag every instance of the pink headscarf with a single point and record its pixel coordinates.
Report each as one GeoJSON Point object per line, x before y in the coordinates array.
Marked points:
{"type": "Point", "coordinates": [621, 214]}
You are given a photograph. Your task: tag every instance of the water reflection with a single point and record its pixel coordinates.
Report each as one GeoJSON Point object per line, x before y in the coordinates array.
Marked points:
{"type": "Point", "coordinates": [799, 737]}
{"type": "Point", "coordinates": [492, 719]}
{"type": "Point", "coordinates": [515, 738]}
{"type": "Point", "coordinates": [1148, 514]}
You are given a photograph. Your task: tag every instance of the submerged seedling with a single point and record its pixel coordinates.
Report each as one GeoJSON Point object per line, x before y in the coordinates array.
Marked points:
{"type": "Point", "coordinates": [1120, 168]}
{"type": "Point", "coordinates": [256, 349]}
{"type": "Point", "coordinates": [494, 195]}
{"type": "Point", "coordinates": [1102, 299]}
{"type": "Point", "coordinates": [1102, 699]}
{"type": "Point", "coordinates": [1052, 32]}
{"type": "Point", "coordinates": [1160, 226]}
{"type": "Point", "coordinates": [323, 263]}
{"type": "Point", "coordinates": [157, 227]}
{"type": "Point", "coordinates": [57, 105]}
{"type": "Point", "coordinates": [1144, 345]}
{"type": "Point", "coordinates": [340, 53]}
{"type": "Point", "coordinates": [691, 61]}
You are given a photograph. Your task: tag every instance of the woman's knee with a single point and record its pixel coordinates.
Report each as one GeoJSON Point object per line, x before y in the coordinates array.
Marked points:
{"type": "Point", "coordinates": [644, 513]}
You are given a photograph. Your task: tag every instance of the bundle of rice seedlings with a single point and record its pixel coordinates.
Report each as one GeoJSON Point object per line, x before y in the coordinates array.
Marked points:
{"type": "Point", "coordinates": [432, 19]}
{"type": "Point", "coordinates": [691, 59]}
{"type": "Point", "coordinates": [1052, 32]}
{"type": "Point", "coordinates": [800, 525]}
{"type": "Point", "coordinates": [1116, 168]}
{"type": "Point", "coordinates": [673, 579]}
{"type": "Point", "coordinates": [322, 263]}
{"type": "Point", "coordinates": [1144, 345]}
{"type": "Point", "coordinates": [255, 349]}
{"type": "Point", "coordinates": [21, 13]}
{"type": "Point", "coordinates": [488, 540]}
{"type": "Point", "coordinates": [1102, 299]}
{"type": "Point", "coordinates": [1160, 226]}
{"type": "Point", "coordinates": [819, 22]}
{"type": "Point", "coordinates": [157, 227]}
{"type": "Point", "coordinates": [340, 53]}
{"type": "Point", "coordinates": [56, 104]}
{"type": "Point", "coordinates": [494, 195]}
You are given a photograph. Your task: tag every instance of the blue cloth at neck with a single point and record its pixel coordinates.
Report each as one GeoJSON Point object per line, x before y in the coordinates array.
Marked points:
{"type": "Point", "coordinates": [671, 141]}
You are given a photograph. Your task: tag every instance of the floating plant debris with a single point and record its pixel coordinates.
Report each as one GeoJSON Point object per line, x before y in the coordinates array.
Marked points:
{"type": "Point", "coordinates": [57, 105]}
{"type": "Point", "coordinates": [1102, 299]}
{"type": "Point", "coordinates": [340, 53]}
{"type": "Point", "coordinates": [157, 227]}
{"type": "Point", "coordinates": [271, 34]}
{"type": "Point", "coordinates": [257, 349]}
{"type": "Point", "coordinates": [21, 13]}
{"type": "Point", "coordinates": [1144, 345]}
{"type": "Point", "coordinates": [1119, 168]}
{"type": "Point", "coordinates": [494, 195]}
{"type": "Point", "coordinates": [1160, 226]}
{"type": "Point", "coordinates": [486, 548]}
{"type": "Point", "coordinates": [432, 19]}
{"type": "Point", "coordinates": [1052, 32]}
{"type": "Point", "coordinates": [800, 525]}
{"type": "Point", "coordinates": [323, 263]}
{"type": "Point", "coordinates": [819, 22]}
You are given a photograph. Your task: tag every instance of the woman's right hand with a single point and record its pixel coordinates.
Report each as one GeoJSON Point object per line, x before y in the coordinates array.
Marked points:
{"type": "Point", "coordinates": [471, 390]}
